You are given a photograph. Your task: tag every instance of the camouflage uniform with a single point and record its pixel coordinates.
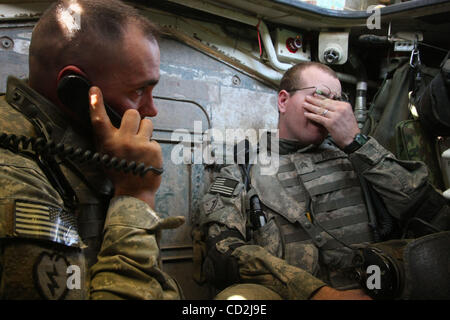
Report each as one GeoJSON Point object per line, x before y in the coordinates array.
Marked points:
{"type": "Point", "coordinates": [45, 245]}
{"type": "Point", "coordinates": [315, 188]}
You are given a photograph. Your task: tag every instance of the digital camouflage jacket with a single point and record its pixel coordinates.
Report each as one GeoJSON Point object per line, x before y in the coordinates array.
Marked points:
{"type": "Point", "coordinates": [315, 211]}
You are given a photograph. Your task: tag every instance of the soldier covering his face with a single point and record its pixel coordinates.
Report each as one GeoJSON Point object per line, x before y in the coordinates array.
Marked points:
{"type": "Point", "coordinates": [67, 230]}
{"type": "Point", "coordinates": [312, 214]}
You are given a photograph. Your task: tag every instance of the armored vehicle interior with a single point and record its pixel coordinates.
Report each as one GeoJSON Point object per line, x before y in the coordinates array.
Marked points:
{"type": "Point", "coordinates": [221, 62]}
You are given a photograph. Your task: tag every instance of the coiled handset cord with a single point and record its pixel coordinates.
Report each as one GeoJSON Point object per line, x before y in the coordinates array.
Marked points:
{"type": "Point", "coordinates": [41, 146]}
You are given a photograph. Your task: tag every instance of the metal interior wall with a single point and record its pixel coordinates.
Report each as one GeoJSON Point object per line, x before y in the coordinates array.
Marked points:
{"type": "Point", "coordinates": [231, 99]}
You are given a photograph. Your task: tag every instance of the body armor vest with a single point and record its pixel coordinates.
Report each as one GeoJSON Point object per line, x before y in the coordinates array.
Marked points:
{"type": "Point", "coordinates": [313, 191]}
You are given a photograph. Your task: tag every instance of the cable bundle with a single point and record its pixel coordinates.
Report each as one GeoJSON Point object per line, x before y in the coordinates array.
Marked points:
{"type": "Point", "coordinates": [43, 147]}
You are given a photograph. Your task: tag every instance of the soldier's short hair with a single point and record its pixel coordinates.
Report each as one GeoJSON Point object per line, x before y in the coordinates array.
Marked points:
{"type": "Point", "coordinates": [292, 78]}
{"type": "Point", "coordinates": [100, 29]}
{"type": "Point", "coordinates": [106, 18]}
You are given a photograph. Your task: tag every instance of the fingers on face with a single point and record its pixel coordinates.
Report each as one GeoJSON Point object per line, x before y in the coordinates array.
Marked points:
{"type": "Point", "coordinates": [316, 118]}
{"type": "Point", "coordinates": [315, 109]}
{"type": "Point", "coordinates": [316, 113]}
{"type": "Point", "coordinates": [322, 102]}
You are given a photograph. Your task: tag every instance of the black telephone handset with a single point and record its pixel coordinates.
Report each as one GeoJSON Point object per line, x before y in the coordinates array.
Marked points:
{"type": "Point", "coordinates": [73, 92]}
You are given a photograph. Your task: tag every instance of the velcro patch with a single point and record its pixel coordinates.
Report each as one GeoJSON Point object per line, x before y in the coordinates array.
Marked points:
{"type": "Point", "coordinates": [329, 155]}
{"type": "Point", "coordinates": [224, 186]}
{"type": "Point", "coordinates": [33, 219]}
{"type": "Point", "coordinates": [213, 205]}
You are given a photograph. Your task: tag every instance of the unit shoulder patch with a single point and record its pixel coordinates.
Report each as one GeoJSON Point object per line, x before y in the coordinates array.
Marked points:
{"type": "Point", "coordinates": [213, 204]}
{"type": "Point", "coordinates": [50, 276]}
{"type": "Point", "coordinates": [224, 186]}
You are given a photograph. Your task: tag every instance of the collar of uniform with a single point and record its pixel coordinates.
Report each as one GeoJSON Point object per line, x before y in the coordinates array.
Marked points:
{"type": "Point", "coordinates": [290, 146]}
{"type": "Point", "coordinates": [285, 146]}
{"type": "Point", "coordinates": [32, 104]}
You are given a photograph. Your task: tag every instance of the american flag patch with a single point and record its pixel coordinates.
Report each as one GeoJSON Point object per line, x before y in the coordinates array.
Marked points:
{"type": "Point", "coordinates": [224, 186]}
{"type": "Point", "coordinates": [38, 220]}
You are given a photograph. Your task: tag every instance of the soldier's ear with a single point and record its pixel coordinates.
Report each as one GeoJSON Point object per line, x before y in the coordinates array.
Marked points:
{"type": "Point", "coordinates": [283, 97]}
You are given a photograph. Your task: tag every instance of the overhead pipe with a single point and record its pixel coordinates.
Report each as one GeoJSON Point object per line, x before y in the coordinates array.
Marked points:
{"type": "Point", "coordinates": [265, 34]}
{"type": "Point", "coordinates": [270, 50]}
{"type": "Point", "coordinates": [236, 16]}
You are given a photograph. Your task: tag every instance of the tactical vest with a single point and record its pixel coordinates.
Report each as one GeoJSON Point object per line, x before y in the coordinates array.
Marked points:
{"type": "Point", "coordinates": [313, 191]}
{"type": "Point", "coordinates": [52, 259]}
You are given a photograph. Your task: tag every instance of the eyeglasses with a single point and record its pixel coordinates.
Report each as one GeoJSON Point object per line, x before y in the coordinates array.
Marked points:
{"type": "Point", "coordinates": [326, 92]}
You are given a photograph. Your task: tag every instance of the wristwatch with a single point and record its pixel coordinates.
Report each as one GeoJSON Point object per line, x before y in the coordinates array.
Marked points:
{"type": "Point", "coordinates": [357, 143]}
